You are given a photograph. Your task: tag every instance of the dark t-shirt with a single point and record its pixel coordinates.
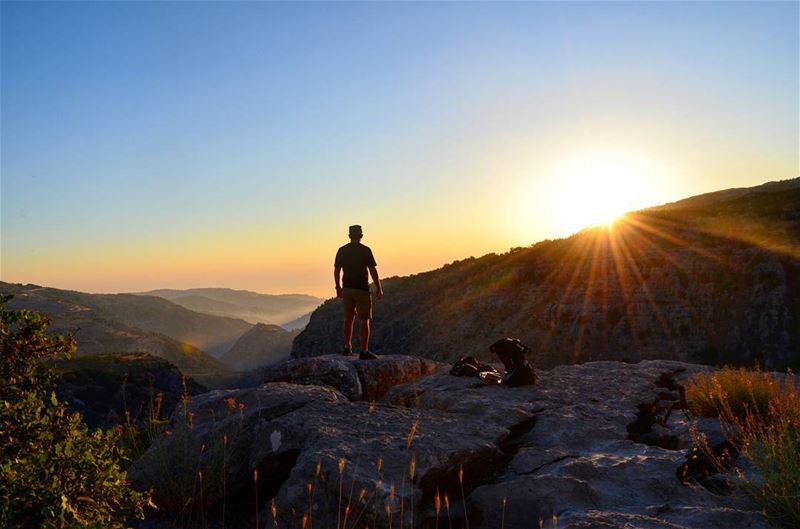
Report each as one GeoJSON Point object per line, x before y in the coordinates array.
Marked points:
{"type": "Point", "coordinates": [354, 258]}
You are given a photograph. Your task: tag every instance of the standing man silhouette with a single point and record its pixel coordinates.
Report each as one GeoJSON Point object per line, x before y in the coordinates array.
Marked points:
{"type": "Point", "coordinates": [356, 259]}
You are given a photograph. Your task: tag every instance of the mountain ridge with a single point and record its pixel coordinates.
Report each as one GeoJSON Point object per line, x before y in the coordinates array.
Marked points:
{"type": "Point", "coordinates": [99, 331]}
{"type": "Point", "coordinates": [262, 345]}
{"type": "Point", "coordinates": [715, 280]}
{"type": "Point", "coordinates": [253, 307]}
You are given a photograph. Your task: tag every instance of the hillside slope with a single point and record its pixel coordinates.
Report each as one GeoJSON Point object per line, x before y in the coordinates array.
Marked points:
{"type": "Point", "coordinates": [297, 324]}
{"type": "Point", "coordinates": [98, 330]}
{"type": "Point", "coordinates": [103, 387]}
{"type": "Point", "coordinates": [249, 306]}
{"type": "Point", "coordinates": [214, 334]}
{"type": "Point", "coordinates": [262, 345]}
{"type": "Point", "coordinates": [714, 278]}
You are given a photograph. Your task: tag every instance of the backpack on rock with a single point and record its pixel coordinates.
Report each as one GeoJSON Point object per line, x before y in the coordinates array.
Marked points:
{"type": "Point", "coordinates": [512, 353]}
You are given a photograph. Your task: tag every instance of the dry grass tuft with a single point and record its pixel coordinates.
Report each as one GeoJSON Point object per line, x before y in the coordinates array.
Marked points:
{"type": "Point", "coordinates": [744, 391]}
{"type": "Point", "coordinates": [762, 416]}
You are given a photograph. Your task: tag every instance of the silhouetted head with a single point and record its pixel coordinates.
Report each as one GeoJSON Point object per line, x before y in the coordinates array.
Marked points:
{"type": "Point", "coordinates": [355, 232]}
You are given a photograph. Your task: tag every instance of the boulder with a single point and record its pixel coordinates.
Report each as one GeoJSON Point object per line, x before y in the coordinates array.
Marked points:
{"type": "Point", "coordinates": [226, 435]}
{"type": "Point", "coordinates": [335, 371]}
{"type": "Point", "coordinates": [356, 379]}
{"type": "Point", "coordinates": [380, 375]}
{"type": "Point", "coordinates": [301, 436]}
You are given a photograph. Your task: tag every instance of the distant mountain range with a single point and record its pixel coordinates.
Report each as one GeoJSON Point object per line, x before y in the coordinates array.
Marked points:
{"type": "Point", "coordinates": [201, 345]}
{"type": "Point", "coordinates": [287, 310]}
{"type": "Point", "coordinates": [105, 323]}
{"type": "Point", "coordinates": [714, 278]}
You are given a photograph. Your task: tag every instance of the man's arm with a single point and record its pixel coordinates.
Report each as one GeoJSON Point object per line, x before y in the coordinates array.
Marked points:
{"type": "Point", "coordinates": [336, 273]}
{"type": "Point", "coordinates": [377, 280]}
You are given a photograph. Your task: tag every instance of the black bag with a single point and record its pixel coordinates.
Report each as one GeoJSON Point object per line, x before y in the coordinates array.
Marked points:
{"type": "Point", "coordinates": [466, 366]}
{"type": "Point", "coordinates": [512, 353]}
{"type": "Point", "coordinates": [469, 366]}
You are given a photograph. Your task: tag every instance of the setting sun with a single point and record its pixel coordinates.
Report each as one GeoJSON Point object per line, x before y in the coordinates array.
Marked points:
{"type": "Point", "coordinates": [594, 188]}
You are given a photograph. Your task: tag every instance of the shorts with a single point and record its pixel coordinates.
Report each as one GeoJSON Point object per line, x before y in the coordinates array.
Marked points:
{"type": "Point", "coordinates": [357, 299]}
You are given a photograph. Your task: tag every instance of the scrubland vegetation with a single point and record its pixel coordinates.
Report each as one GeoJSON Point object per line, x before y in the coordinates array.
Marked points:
{"type": "Point", "coordinates": [760, 412]}
{"type": "Point", "coordinates": [54, 472]}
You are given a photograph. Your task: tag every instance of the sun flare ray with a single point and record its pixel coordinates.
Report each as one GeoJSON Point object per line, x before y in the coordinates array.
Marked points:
{"type": "Point", "coordinates": [634, 267]}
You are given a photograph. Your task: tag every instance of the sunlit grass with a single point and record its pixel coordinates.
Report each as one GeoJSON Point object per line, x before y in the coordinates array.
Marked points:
{"type": "Point", "coordinates": [742, 390]}
{"type": "Point", "coordinates": [762, 417]}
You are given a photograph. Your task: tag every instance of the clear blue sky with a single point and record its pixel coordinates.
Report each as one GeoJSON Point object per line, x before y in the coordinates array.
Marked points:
{"type": "Point", "coordinates": [238, 140]}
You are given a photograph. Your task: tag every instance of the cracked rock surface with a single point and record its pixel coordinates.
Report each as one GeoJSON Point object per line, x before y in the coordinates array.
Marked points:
{"type": "Point", "coordinates": [578, 460]}
{"type": "Point", "coordinates": [578, 445]}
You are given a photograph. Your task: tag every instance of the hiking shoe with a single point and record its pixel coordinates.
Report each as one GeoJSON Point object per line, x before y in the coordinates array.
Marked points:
{"type": "Point", "coordinates": [347, 351]}
{"type": "Point", "coordinates": [366, 355]}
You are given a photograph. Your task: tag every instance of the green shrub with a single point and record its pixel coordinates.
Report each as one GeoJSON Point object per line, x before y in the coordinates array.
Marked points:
{"type": "Point", "coordinates": [762, 417]}
{"type": "Point", "coordinates": [54, 473]}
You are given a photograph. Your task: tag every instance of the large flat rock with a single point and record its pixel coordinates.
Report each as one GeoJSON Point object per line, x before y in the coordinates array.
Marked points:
{"type": "Point", "coordinates": [578, 458]}
{"type": "Point", "coordinates": [578, 445]}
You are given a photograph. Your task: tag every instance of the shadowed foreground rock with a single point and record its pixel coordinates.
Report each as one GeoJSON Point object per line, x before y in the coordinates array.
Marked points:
{"type": "Point", "coordinates": [575, 445]}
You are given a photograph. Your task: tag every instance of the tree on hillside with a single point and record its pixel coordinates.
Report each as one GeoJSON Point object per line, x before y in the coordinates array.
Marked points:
{"type": "Point", "coordinates": [54, 472]}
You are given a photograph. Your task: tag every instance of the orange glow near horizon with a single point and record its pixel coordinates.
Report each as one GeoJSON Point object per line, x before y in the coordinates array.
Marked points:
{"type": "Point", "coordinates": [596, 188]}
{"type": "Point", "coordinates": [448, 131]}
{"type": "Point", "coordinates": [584, 190]}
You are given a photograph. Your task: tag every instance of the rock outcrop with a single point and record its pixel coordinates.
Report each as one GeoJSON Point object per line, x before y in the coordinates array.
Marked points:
{"type": "Point", "coordinates": [712, 279]}
{"type": "Point", "coordinates": [356, 379]}
{"type": "Point", "coordinates": [584, 445]}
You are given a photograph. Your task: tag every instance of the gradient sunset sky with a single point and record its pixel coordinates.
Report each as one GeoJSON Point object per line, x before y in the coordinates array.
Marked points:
{"type": "Point", "coordinates": [152, 145]}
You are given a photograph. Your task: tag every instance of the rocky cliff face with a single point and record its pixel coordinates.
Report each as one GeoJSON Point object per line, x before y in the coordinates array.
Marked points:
{"type": "Point", "coordinates": [713, 279]}
{"type": "Point", "coordinates": [261, 345]}
{"type": "Point", "coordinates": [584, 445]}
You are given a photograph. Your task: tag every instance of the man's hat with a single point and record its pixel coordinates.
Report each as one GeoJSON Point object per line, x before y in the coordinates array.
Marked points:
{"type": "Point", "coordinates": [355, 231]}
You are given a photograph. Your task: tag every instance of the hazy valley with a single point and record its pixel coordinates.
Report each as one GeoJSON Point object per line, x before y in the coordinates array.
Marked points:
{"type": "Point", "coordinates": [290, 311]}
{"type": "Point", "coordinates": [201, 345]}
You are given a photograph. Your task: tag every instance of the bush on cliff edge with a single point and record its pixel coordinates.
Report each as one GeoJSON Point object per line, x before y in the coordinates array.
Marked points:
{"type": "Point", "coordinates": [54, 472]}
{"type": "Point", "coordinates": [762, 417]}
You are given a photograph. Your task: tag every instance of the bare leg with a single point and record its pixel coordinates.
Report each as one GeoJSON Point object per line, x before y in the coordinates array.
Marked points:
{"type": "Point", "coordinates": [365, 335]}
{"type": "Point", "coordinates": [348, 328]}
